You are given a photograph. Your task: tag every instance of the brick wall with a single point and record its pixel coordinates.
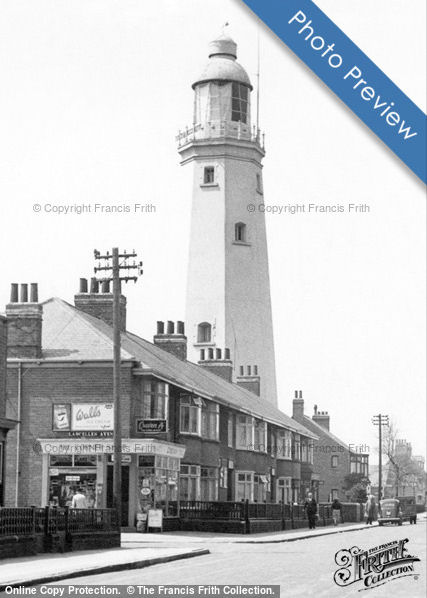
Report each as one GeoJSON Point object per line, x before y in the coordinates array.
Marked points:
{"type": "Point", "coordinates": [3, 351]}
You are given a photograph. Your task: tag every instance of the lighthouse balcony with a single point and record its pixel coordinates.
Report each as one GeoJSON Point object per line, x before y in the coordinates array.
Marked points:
{"type": "Point", "coordinates": [220, 130]}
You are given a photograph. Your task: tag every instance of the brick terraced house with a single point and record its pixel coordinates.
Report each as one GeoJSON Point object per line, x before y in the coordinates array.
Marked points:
{"type": "Point", "coordinates": [188, 432]}
{"type": "Point", "coordinates": [333, 459]}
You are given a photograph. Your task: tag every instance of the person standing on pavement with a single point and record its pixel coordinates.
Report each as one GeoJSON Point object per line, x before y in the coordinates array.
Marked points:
{"type": "Point", "coordinates": [310, 507]}
{"type": "Point", "coordinates": [336, 511]}
{"type": "Point", "coordinates": [79, 500]}
{"type": "Point", "coordinates": [370, 509]}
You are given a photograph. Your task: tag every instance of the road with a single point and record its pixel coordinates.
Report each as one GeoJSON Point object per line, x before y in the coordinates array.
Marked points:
{"type": "Point", "coordinates": [301, 568]}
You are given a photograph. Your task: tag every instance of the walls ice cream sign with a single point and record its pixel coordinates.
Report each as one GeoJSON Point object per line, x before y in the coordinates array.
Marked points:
{"type": "Point", "coordinates": [92, 417]}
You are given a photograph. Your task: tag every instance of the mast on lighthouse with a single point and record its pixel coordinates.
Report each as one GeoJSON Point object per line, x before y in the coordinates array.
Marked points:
{"type": "Point", "coordinates": [228, 290]}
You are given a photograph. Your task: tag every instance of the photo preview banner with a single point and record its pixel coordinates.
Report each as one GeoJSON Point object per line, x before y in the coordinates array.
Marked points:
{"type": "Point", "coordinates": [351, 75]}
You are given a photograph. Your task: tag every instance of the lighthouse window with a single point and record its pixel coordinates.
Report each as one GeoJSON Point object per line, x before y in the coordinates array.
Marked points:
{"type": "Point", "coordinates": [204, 333]}
{"type": "Point", "coordinates": [209, 175]}
{"type": "Point", "coordinates": [240, 232]}
{"type": "Point", "coordinates": [239, 103]}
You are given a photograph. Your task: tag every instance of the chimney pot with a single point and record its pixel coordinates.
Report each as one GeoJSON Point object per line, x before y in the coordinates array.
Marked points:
{"type": "Point", "coordinates": [105, 287]}
{"type": "Point", "coordinates": [160, 327]}
{"type": "Point", "coordinates": [94, 286]}
{"type": "Point", "coordinates": [24, 293]}
{"type": "Point", "coordinates": [180, 327]}
{"type": "Point", "coordinates": [300, 394]}
{"type": "Point", "coordinates": [170, 327]}
{"type": "Point", "coordinates": [83, 285]}
{"type": "Point", "coordinates": [296, 394]}
{"type": "Point", "coordinates": [34, 296]}
{"type": "Point", "coordinates": [14, 292]}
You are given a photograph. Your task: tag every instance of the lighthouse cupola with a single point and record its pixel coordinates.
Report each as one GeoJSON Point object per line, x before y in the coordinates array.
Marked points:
{"type": "Point", "coordinates": [222, 92]}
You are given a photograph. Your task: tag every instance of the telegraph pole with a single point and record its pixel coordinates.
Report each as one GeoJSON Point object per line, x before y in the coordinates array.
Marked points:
{"type": "Point", "coordinates": [111, 266]}
{"type": "Point", "coordinates": [380, 420]}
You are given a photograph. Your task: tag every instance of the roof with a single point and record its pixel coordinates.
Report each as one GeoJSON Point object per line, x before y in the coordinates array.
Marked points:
{"type": "Point", "coordinates": [222, 68]}
{"type": "Point", "coordinates": [321, 431]}
{"type": "Point", "coordinates": [69, 334]}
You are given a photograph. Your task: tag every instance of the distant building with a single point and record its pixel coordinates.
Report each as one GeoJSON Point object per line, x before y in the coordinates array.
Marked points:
{"type": "Point", "coordinates": [405, 473]}
{"type": "Point", "coordinates": [188, 432]}
{"type": "Point", "coordinates": [333, 459]}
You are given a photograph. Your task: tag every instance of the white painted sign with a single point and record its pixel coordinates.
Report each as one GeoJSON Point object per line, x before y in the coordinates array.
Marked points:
{"type": "Point", "coordinates": [92, 416]}
{"type": "Point", "coordinates": [155, 518]}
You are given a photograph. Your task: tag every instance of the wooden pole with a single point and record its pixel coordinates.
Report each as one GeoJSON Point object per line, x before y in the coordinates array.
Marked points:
{"type": "Point", "coordinates": [117, 464]}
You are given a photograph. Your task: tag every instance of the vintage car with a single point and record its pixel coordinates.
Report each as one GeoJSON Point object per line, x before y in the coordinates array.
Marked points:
{"type": "Point", "coordinates": [397, 510]}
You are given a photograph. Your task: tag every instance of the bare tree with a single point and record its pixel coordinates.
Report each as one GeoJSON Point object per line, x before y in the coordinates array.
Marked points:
{"type": "Point", "coordinates": [401, 467]}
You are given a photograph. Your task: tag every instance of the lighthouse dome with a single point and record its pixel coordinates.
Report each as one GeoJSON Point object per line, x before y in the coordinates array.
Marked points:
{"type": "Point", "coordinates": [222, 65]}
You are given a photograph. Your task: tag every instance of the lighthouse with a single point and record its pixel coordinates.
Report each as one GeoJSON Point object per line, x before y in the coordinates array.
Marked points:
{"type": "Point", "coordinates": [228, 304]}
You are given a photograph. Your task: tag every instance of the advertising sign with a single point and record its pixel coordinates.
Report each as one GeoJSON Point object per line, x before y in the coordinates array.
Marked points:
{"type": "Point", "coordinates": [92, 416]}
{"type": "Point", "coordinates": [155, 518]}
{"type": "Point", "coordinates": [61, 417]}
{"type": "Point", "coordinates": [151, 426]}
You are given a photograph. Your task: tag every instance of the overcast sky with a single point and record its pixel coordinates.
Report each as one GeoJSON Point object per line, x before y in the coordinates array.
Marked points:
{"type": "Point", "coordinates": [93, 94]}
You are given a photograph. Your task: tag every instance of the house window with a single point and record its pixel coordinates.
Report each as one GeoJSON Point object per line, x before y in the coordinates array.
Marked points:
{"type": "Point", "coordinates": [209, 483]}
{"type": "Point", "coordinates": [284, 490]}
{"type": "Point", "coordinates": [260, 488]}
{"type": "Point", "coordinates": [239, 103]}
{"type": "Point", "coordinates": [190, 415]}
{"type": "Point", "coordinates": [284, 444]}
{"type": "Point", "coordinates": [259, 183]}
{"type": "Point", "coordinates": [334, 494]}
{"type": "Point", "coordinates": [245, 433]}
{"type": "Point", "coordinates": [297, 447]}
{"type": "Point", "coordinates": [204, 333]}
{"type": "Point", "coordinates": [230, 430]}
{"type": "Point", "coordinates": [155, 399]}
{"type": "Point", "coordinates": [240, 232]}
{"type": "Point", "coordinates": [223, 474]}
{"type": "Point", "coordinates": [210, 420]}
{"type": "Point", "coordinates": [334, 461]}
{"type": "Point", "coordinates": [304, 451]}
{"type": "Point", "coordinates": [189, 482]}
{"type": "Point", "coordinates": [260, 436]}
{"type": "Point", "coordinates": [244, 485]}
{"type": "Point", "coordinates": [208, 175]}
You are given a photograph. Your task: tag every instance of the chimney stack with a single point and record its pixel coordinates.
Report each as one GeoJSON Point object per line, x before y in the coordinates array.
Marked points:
{"type": "Point", "coordinates": [24, 323]}
{"type": "Point", "coordinates": [171, 341]}
{"type": "Point", "coordinates": [3, 364]}
{"type": "Point", "coordinates": [321, 418]}
{"type": "Point", "coordinates": [99, 304]}
{"type": "Point", "coordinates": [298, 405]}
{"type": "Point", "coordinates": [249, 379]}
{"type": "Point", "coordinates": [214, 361]}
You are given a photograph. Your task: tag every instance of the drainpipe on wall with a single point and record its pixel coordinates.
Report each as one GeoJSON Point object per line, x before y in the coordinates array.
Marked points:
{"type": "Point", "coordinates": [18, 433]}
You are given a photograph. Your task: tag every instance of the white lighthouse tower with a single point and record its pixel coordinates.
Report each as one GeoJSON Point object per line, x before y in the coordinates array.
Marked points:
{"type": "Point", "coordinates": [228, 288]}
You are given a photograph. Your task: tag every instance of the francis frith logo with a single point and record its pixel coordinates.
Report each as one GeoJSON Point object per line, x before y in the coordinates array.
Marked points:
{"type": "Point", "coordinates": [375, 566]}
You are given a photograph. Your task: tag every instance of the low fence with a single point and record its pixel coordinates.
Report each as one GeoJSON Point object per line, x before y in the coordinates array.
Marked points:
{"type": "Point", "coordinates": [29, 530]}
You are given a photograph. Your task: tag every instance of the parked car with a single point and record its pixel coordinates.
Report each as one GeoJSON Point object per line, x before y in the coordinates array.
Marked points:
{"type": "Point", "coordinates": [397, 510]}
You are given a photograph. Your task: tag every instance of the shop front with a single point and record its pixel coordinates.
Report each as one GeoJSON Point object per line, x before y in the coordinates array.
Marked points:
{"type": "Point", "coordinates": [150, 470]}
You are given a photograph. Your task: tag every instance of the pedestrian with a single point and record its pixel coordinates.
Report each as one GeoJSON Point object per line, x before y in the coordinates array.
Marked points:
{"type": "Point", "coordinates": [310, 507]}
{"type": "Point", "coordinates": [336, 511]}
{"type": "Point", "coordinates": [370, 509]}
{"type": "Point", "coordinates": [79, 500]}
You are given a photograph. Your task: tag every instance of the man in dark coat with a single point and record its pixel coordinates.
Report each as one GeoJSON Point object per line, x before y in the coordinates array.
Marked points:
{"type": "Point", "coordinates": [310, 507]}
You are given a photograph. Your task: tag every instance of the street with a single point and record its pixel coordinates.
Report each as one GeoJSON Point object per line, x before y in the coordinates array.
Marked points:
{"type": "Point", "coordinates": [301, 568]}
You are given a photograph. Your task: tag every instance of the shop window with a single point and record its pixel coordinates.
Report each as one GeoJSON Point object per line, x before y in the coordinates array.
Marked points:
{"type": "Point", "coordinates": [190, 415]}
{"type": "Point", "coordinates": [334, 461]}
{"type": "Point", "coordinates": [284, 444]}
{"type": "Point", "coordinates": [189, 482]}
{"type": "Point", "coordinates": [209, 175]}
{"type": "Point", "coordinates": [260, 436]}
{"type": "Point", "coordinates": [240, 232]}
{"type": "Point", "coordinates": [204, 333]}
{"type": "Point", "coordinates": [155, 399]}
{"type": "Point", "coordinates": [239, 103]}
{"type": "Point", "coordinates": [245, 432]}
{"type": "Point", "coordinates": [209, 483]}
{"type": "Point", "coordinates": [84, 460]}
{"type": "Point", "coordinates": [61, 460]}
{"type": "Point", "coordinates": [210, 420]}
{"type": "Point", "coordinates": [230, 430]}
{"type": "Point", "coordinates": [244, 485]}
{"type": "Point", "coordinates": [284, 490]}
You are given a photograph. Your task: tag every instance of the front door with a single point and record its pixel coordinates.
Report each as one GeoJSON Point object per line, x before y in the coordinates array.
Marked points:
{"type": "Point", "coordinates": [125, 492]}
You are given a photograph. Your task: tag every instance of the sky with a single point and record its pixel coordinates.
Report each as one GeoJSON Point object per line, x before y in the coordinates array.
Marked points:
{"type": "Point", "coordinates": [93, 95]}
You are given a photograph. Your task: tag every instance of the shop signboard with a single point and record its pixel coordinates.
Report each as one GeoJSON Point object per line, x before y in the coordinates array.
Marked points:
{"type": "Point", "coordinates": [151, 426]}
{"type": "Point", "coordinates": [92, 416]}
{"type": "Point", "coordinates": [155, 518]}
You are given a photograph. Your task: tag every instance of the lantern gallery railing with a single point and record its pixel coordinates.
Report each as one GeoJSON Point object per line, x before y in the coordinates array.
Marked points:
{"type": "Point", "coordinates": [220, 130]}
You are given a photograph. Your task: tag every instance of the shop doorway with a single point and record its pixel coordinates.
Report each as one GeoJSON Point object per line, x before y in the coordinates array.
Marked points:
{"type": "Point", "coordinates": [125, 492]}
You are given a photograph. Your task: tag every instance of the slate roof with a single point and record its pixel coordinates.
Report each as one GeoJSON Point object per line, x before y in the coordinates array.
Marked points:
{"type": "Point", "coordinates": [69, 334]}
{"type": "Point", "coordinates": [321, 431]}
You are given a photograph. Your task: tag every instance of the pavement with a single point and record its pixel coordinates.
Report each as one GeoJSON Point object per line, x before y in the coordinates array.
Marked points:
{"type": "Point", "coordinates": [143, 550]}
